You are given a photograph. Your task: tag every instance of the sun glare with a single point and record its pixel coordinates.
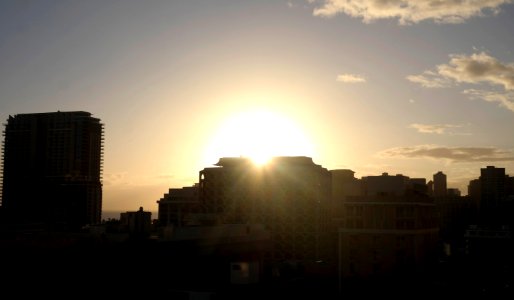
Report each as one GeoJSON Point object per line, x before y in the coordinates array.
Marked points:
{"type": "Point", "coordinates": [259, 135]}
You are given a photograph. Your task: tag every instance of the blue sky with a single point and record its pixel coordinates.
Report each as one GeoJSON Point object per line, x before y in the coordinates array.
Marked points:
{"type": "Point", "coordinates": [410, 87]}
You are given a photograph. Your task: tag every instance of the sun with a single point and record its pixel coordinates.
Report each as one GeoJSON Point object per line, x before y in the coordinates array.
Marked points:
{"type": "Point", "coordinates": [259, 135]}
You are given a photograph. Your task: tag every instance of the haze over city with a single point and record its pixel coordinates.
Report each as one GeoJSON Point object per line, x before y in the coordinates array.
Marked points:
{"type": "Point", "coordinates": [405, 88]}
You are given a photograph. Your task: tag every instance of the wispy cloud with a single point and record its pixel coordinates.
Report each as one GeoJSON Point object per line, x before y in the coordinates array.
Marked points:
{"type": "Point", "coordinates": [478, 68]}
{"type": "Point", "coordinates": [505, 99]}
{"type": "Point", "coordinates": [350, 78]}
{"type": "Point", "coordinates": [115, 179]}
{"type": "Point", "coordinates": [430, 79]}
{"type": "Point", "coordinates": [436, 128]}
{"type": "Point", "coordinates": [453, 154]}
{"type": "Point", "coordinates": [409, 11]}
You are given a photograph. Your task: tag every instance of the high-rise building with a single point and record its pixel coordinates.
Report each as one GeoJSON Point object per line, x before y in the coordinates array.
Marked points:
{"type": "Point", "coordinates": [440, 184]}
{"type": "Point", "coordinates": [493, 186]}
{"type": "Point", "coordinates": [52, 164]}
{"type": "Point", "coordinates": [290, 196]}
{"type": "Point", "coordinates": [495, 204]}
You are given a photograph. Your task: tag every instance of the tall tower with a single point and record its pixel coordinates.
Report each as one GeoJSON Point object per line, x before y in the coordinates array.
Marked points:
{"type": "Point", "coordinates": [440, 184]}
{"type": "Point", "coordinates": [493, 195]}
{"type": "Point", "coordinates": [52, 164]}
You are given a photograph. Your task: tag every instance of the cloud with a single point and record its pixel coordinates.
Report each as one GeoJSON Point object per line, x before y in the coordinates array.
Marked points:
{"type": "Point", "coordinates": [433, 128]}
{"type": "Point", "coordinates": [409, 11]}
{"type": "Point", "coordinates": [453, 154]}
{"type": "Point", "coordinates": [350, 78]}
{"type": "Point", "coordinates": [475, 69]}
{"type": "Point", "coordinates": [505, 99]}
{"type": "Point", "coordinates": [430, 79]}
{"type": "Point", "coordinates": [478, 68]}
{"type": "Point", "coordinates": [115, 178]}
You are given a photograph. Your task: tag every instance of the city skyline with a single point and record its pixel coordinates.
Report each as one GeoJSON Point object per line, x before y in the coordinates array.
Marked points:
{"type": "Point", "coordinates": [405, 90]}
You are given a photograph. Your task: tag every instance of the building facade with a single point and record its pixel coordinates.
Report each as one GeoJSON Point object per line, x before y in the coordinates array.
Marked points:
{"type": "Point", "coordinates": [389, 230]}
{"type": "Point", "coordinates": [52, 165]}
{"type": "Point", "coordinates": [137, 223]}
{"type": "Point", "coordinates": [290, 196]}
{"type": "Point", "coordinates": [440, 185]}
{"type": "Point", "coordinates": [387, 236]}
{"type": "Point", "coordinates": [493, 194]}
{"type": "Point", "coordinates": [179, 207]}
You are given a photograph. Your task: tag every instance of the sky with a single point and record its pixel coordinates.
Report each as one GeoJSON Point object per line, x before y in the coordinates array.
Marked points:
{"type": "Point", "coordinates": [407, 87]}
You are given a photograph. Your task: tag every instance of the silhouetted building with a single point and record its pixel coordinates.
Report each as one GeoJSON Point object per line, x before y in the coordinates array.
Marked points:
{"type": "Point", "coordinates": [390, 230]}
{"type": "Point", "coordinates": [398, 185]}
{"type": "Point", "coordinates": [179, 207]}
{"type": "Point", "coordinates": [137, 223]}
{"type": "Point", "coordinates": [417, 186]}
{"type": "Point", "coordinates": [474, 193]}
{"type": "Point", "coordinates": [52, 166]}
{"type": "Point", "coordinates": [440, 184]}
{"type": "Point", "coordinates": [289, 195]}
{"type": "Point", "coordinates": [344, 185]}
{"type": "Point", "coordinates": [494, 196]}
{"type": "Point", "coordinates": [489, 241]}
{"type": "Point", "coordinates": [454, 214]}
{"type": "Point", "coordinates": [490, 245]}
{"type": "Point", "coordinates": [453, 192]}
{"type": "Point", "coordinates": [493, 185]}
{"type": "Point", "coordinates": [214, 257]}
{"type": "Point", "coordinates": [385, 185]}
{"type": "Point", "coordinates": [430, 188]}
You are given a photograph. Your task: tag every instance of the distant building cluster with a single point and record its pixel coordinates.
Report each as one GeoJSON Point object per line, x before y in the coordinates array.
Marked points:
{"type": "Point", "coordinates": [283, 221]}
{"type": "Point", "coordinates": [328, 221]}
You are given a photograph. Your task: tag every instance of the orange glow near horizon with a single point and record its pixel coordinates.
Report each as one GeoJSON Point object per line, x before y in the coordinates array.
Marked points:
{"type": "Point", "coordinates": [259, 135]}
